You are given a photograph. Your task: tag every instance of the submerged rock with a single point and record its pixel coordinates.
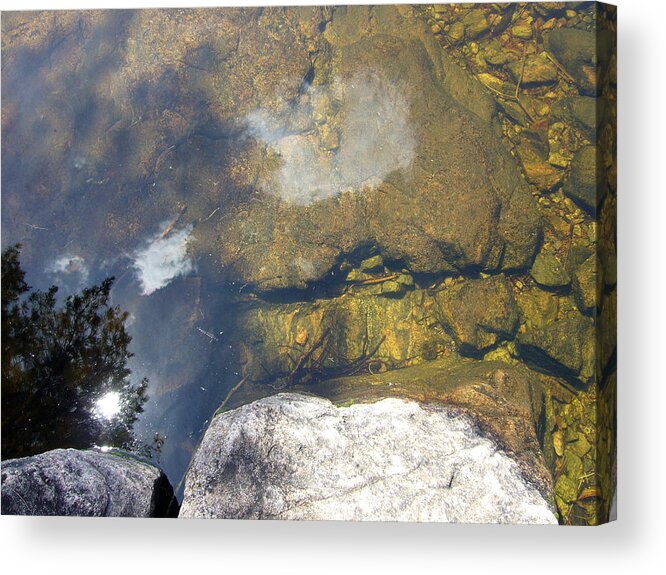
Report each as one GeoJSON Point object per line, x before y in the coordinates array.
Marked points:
{"type": "Point", "coordinates": [565, 347]}
{"type": "Point", "coordinates": [479, 312]}
{"type": "Point", "coordinates": [584, 55]}
{"type": "Point", "coordinates": [586, 182]}
{"type": "Point", "coordinates": [317, 133]}
{"type": "Point", "coordinates": [587, 284]}
{"type": "Point", "coordinates": [537, 307]}
{"type": "Point", "coordinates": [537, 70]}
{"type": "Point", "coordinates": [292, 456]}
{"type": "Point", "coordinates": [85, 483]}
{"type": "Point", "coordinates": [475, 23]}
{"type": "Point", "coordinates": [404, 179]}
{"type": "Point", "coordinates": [395, 325]}
{"type": "Point", "coordinates": [583, 112]}
{"type": "Point", "coordinates": [548, 271]}
{"type": "Point", "coordinates": [536, 167]}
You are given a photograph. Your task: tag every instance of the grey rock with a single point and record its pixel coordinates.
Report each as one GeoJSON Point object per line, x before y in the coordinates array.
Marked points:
{"type": "Point", "coordinates": [85, 483]}
{"type": "Point", "coordinates": [292, 456]}
{"type": "Point", "coordinates": [505, 401]}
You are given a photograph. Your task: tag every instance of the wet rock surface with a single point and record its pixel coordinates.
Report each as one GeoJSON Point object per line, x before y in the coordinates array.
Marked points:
{"type": "Point", "coordinates": [363, 135]}
{"type": "Point", "coordinates": [549, 271]}
{"type": "Point", "coordinates": [69, 482]}
{"type": "Point", "coordinates": [292, 456]}
{"type": "Point", "coordinates": [586, 284]}
{"type": "Point", "coordinates": [399, 212]}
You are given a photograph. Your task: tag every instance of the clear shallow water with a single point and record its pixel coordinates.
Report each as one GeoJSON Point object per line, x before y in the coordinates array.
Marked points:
{"type": "Point", "coordinates": [178, 342]}
{"type": "Point", "coordinates": [139, 145]}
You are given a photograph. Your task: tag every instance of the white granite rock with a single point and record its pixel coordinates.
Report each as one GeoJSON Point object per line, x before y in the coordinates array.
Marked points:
{"type": "Point", "coordinates": [294, 456]}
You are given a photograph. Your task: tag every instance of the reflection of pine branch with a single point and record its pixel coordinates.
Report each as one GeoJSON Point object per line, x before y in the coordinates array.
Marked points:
{"type": "Point", "coordinates": [56, 363]}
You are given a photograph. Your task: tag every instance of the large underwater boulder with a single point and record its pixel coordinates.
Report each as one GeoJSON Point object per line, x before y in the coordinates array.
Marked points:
{"type": "Point", "coordinates": [70, 482]}
{"type": "Point", "coordinates": [378, 151]}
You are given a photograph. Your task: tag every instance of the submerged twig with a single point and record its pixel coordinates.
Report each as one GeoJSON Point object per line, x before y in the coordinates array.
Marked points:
{"type": "Point", "coordinates": [35, 227]}
{"type": "Point", "coordinates": [208, 334]}
{"type": "Point", "coordinates": [233, 390]}
{"type": "Point", "coordinates": [210, 215]}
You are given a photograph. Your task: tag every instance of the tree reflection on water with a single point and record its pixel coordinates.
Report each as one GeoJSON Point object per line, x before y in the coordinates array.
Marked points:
{"type": "Point", "coordinates": [61, 366]}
